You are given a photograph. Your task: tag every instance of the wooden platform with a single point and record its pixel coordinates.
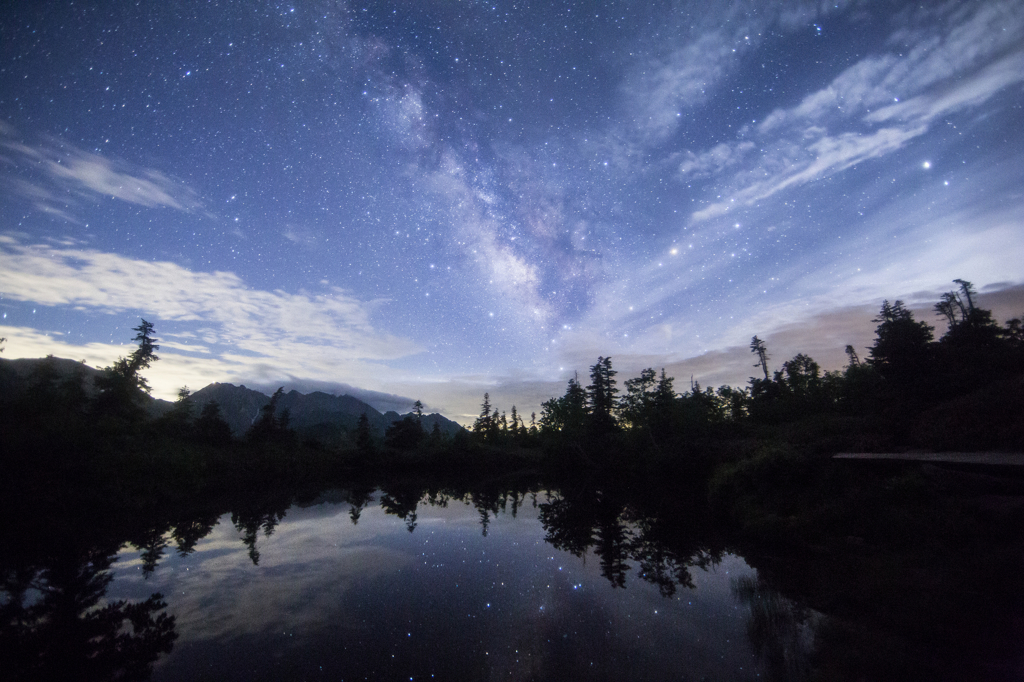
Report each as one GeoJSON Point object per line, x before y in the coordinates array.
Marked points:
{"type": "Point", "coordinates": [1000, 459]}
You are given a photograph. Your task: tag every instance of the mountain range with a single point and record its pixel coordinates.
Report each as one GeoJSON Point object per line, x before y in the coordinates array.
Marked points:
{"type": "Point", "coordinates": [318, 415]}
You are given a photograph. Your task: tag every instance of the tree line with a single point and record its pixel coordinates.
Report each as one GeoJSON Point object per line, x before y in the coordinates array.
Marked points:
{"type": "Point", "coordinates": [959, 391]}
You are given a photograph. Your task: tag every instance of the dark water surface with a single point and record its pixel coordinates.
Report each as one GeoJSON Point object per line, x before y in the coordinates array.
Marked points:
{"type": "Point", "coordinates": [454, 590]}
{"type": "Point", "coordinates": [501, 580]}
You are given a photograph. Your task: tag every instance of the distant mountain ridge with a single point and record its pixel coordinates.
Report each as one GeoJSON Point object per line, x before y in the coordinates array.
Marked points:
{"type": "Point", "coordinates": [318, 415]}
{"type": "Point", "coordinates": [16, 374]}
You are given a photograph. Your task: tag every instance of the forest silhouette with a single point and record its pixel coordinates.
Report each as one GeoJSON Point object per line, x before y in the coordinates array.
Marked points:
{"type": "Point", "coordinates": [962, 392]}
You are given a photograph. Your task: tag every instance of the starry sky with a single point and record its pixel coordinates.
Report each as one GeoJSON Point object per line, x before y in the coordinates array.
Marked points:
{"type": "Point", "coordinates": [434, 199]}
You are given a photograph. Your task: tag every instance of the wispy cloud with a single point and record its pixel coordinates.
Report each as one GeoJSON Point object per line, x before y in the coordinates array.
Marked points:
{"type": "Point", "coordinates": [971, 91]}
{"type": "Point", "coordinates": [663, 88]}
{"type": "Point", "coordinates": [716, 160]}
{"type": "Point", "coordinates": [60, 175]}
{"type": "Point", "coordinates": [826, 155]}
{"type": "Point", "coordinates": [703, 50]}
{"type": "Point", "coordinates": [300, 234]}
{"type": "Point", "coordinates": [871, 109]}
{"type": "Point", "coordinates": [245, 331]}
{"type": "Point", "coordinates": [913, 249]}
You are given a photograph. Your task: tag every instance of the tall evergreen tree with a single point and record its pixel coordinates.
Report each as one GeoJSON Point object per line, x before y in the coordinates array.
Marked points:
{"type": "Point", "coordinates": [482, 425]}
{"type": "Point", "coordinates": [515, 424]}
{"type": "Point", "coordinates": [268, 426]}
{"type": "Point", "coordinates": [970, 328]}
{"type": "Point", "coordinates": [975, 349]}
{"type": "Point", "coordinates": [758, 348]}
{"type": "Point", "coordinates": [601, 395]}
{"type": "Point", "coordinates": [567, 414]}
{"type": "Point", "coordinates": [902, 345]}
{"type": "Point", "coordinates": [178, 419]}
{"type": "Point", "coordinates": [122, 386]}
{"type": "Point", "coordinates": [663, 401]}
{"type": "Point", "coordinates": [664, 393]}
{"type": "Point", "coordinates": [404, 434]}
{"type": "Point", "coordinates": [635, 406]}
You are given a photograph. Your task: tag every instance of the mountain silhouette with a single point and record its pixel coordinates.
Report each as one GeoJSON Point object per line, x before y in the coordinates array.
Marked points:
{"type": "Point", "coordinates": [318, 415]}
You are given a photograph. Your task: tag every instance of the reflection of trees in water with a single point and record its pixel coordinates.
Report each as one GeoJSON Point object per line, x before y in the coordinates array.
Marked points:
{"type": "Point", "coordinates": [619, 532]}
{"type": "Point", "coordinates": [613, 543]}
{"type": "Point", "coordinates": [359, 497]}
{"type": "Point", "coordinates": [488, 503]}
{"type": "Point", "coordinates": [259, 515]}
{"type": "Point", "coordinates": [151, 544]}
{"type": "Point", "coordinates": [402, 501]}
{"type": "Point", "coordinates": [65, 634]}
{"type": "Point", "coordinates": [780, 632]}
{"type": "Point", "coordinates": [667, 547]}
{"type": "Point", "coordinates": [189, 531]}
{"type": "Point", "coordinates": [569, 524]}
{"type": "Point", "coordinates": [659, 564]}
{"type": "Point", "coordinates": [54, 622]}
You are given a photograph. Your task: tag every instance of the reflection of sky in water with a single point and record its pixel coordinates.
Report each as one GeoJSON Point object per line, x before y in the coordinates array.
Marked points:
{"type": "Point", "coordinates": [334, 600]}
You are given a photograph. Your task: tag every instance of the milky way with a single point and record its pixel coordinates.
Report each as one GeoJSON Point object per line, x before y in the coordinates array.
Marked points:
{"type": "Point", "coordinates": [439, 198]}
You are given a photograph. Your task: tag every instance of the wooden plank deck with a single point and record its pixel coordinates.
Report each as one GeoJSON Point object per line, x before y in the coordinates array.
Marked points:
{"type": "Point", "coordinates": [1002, 459]}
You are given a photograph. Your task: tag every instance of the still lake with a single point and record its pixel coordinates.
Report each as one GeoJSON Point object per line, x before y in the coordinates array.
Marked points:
{"type": "Point", "coordinates": [528, 587]}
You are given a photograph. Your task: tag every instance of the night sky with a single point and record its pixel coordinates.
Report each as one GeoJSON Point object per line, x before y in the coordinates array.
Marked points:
{"type": "Point", "coordinates": [433, 199]}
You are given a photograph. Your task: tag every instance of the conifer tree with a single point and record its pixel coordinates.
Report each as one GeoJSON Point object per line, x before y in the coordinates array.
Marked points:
{"type": "Point", "coordinates": [902, 344]}
{"type": "Point", "coordinates": [269, 426]}
{"type": "Point", "coordinates": [178, 419]}
{"type": "Point", "coordinates": [758, 348]}
{"type": "Point", "coordinates": [601, 394]}
{"type": "Point", "coordinates": [122, 387]}
{"type": "Point", "coordinates": [515, 423]}
{"type": "Point", "coordinates": [636, 404]}
{"type": "Point", "coordinates": [566, 414]}
{"type": "Point", "coordinates": [664, 393]}
{"type": "Point", "coordinates": [404, 434]}
{"type": "Point", "coordinates": [482, 425]}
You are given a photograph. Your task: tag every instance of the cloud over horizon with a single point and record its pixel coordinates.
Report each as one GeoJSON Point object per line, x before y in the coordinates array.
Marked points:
{"type": "Point", "coordinates": [304, 334]}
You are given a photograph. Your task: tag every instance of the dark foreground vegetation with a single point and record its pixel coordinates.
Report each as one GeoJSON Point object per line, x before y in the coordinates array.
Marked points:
{"type": "Point", "coordinates": [907, 571]}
